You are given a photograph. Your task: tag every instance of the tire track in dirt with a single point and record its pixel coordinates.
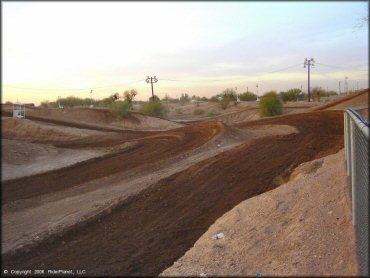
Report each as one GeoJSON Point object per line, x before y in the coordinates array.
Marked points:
{"type": "Point", "coordinates": [146, 150]}
{"type": "Point", "coordinates": [151, 230]}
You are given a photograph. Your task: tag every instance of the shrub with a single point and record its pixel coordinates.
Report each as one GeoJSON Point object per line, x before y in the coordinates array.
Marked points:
{"type": "Point", "coordinates": [119, 109]}
{"type": "Point", "coordinates": [248, 96]}
{"type": "Point", "coordinates": [184, 98]}
{"type": "Point", "coordinates": [153, 108]}
{"type": "Point", "coordinates": [154, 98]}
{"type": "Point", "coordinates": [179, 111]}
{"type": "Point", "coordinates": [198, 111]}
{"type": "Point", "coordinates": [270, 104]}
{"type": "Point", "coordinates": [291, 95]}
{"type": "Point", "coordinates": [224, 103]}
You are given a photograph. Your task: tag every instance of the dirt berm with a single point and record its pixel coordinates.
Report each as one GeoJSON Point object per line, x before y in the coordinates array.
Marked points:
{"type": "Point", "coordinates": [98, 118]}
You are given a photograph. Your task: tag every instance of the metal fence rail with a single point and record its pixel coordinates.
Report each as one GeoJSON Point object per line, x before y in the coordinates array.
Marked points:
{"type": "Point", "coordinates": [356, 137]}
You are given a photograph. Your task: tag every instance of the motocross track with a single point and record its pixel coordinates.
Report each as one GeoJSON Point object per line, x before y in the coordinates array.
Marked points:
{"type": "Point", "coordinates": [150, 230]}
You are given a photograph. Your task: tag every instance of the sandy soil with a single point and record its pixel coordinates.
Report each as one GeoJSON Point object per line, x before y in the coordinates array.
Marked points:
{"type": "Point", "coordinates": [302, 228]}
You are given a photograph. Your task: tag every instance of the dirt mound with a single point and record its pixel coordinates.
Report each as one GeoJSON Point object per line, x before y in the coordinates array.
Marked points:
{"type": "Point", "coordinates": [26, 129]}
{"type": "Point", "coordinates": [302, 228]}
{"type": "Point", "coordinates": [95, 117]}
{"type": "Point", "coordinates": [150, 230]}
{"type": "Point", "coordinates": [20, 158]}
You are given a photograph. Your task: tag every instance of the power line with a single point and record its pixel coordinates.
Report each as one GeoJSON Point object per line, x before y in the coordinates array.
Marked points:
{"type": "Point", "coordinates": [231, 79]}
{"type": "Point", "coordinates": [339, 67]}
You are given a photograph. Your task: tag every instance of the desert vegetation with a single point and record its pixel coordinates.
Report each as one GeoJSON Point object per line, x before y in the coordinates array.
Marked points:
{"type": "Point", "coordinates": [271, 104]}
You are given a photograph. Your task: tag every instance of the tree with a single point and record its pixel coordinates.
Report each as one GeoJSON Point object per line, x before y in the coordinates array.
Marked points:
{"type": "Point", "coordinates": [129, 97]}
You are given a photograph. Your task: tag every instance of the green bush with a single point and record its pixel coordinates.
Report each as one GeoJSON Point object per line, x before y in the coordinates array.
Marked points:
{"type": "Point", "coordinates": [291, 95]}
{"type": "Point", "coordinates": [248, 96]}
{"type": "Point", "coordinates": [198, 111]}
{"type": "Point", "coordinates": [119, 109]}
{"type": "Point", "coordinates": [270, 104]}
{"type": "Point", "coordinates": [179, 111]}
{"type": "Point", "coordinates": [153, 108]}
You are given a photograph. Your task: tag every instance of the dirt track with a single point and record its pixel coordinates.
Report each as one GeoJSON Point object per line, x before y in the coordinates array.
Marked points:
{"type": "Point", "coordinates": [149, 231]}
{"type": "Point", "coordinates": [144, 151]}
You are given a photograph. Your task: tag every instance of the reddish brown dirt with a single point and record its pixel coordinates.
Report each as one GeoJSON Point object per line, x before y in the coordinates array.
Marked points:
{"type": "Point", "coordinates": [148, 150]}
{"type": "Point", "coordinates": [151, 230]}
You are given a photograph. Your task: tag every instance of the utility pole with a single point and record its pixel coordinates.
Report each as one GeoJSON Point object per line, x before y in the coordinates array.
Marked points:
{"type": "Point", "coordinates": [152, 80]}
{"type": "Point", "coordinates": [91, 98]}
{"type": "Point", "coordinates": [346, 85]}
{"type": "Point", "coordinates": [308, 63]}
{"type": "Point", "coordinates": [339, 88]}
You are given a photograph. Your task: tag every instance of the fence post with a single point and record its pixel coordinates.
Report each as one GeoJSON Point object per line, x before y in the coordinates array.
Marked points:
{"type": "Point", "coordinates": [352, 172]}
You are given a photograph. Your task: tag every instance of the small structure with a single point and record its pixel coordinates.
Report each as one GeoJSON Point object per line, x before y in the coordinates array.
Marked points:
{"type": "Point", "coordinates": [19, 110]}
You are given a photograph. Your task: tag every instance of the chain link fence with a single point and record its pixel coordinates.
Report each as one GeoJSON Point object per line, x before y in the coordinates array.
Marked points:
{"type": "Point", "coordinates": [356, 137]}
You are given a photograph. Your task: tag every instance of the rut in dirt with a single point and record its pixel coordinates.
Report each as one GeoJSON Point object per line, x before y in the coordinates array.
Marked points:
{"type": "Point", "coordinates": [151, 230]}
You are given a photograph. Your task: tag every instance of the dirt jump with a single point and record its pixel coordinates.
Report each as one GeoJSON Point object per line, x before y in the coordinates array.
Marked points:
{"type": "Point", "coordinates": [148, 231]}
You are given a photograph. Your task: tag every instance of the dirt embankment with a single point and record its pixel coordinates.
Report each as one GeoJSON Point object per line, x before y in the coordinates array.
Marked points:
{"type": "Point", "coordinates": [26, 129]}
{"type": "Point", "coordinates": [94, 118]}
{"type": "Point", "coordinates": [355, 99]}
{"type": "Point", "coordinates": [151, 230]}
{"type": "Point", "coordinates": [302, 228]}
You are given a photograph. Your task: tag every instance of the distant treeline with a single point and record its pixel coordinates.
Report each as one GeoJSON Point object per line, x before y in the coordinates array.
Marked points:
{"type": "Point", "coordinates": [228, 94]}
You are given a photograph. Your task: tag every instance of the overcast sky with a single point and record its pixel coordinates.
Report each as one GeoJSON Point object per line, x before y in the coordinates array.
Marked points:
{"type": "Point", "coordinates": [53, 49]}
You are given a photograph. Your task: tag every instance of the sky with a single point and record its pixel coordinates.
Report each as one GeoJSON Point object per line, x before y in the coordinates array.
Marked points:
{"type": "Point", "coordinates": [52, 49]}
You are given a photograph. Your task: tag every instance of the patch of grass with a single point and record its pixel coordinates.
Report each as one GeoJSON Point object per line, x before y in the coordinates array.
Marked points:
{"type": "Point", "coordinates": [178, 111]}
{"type": "Point", "coordinates": [198, 111]}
